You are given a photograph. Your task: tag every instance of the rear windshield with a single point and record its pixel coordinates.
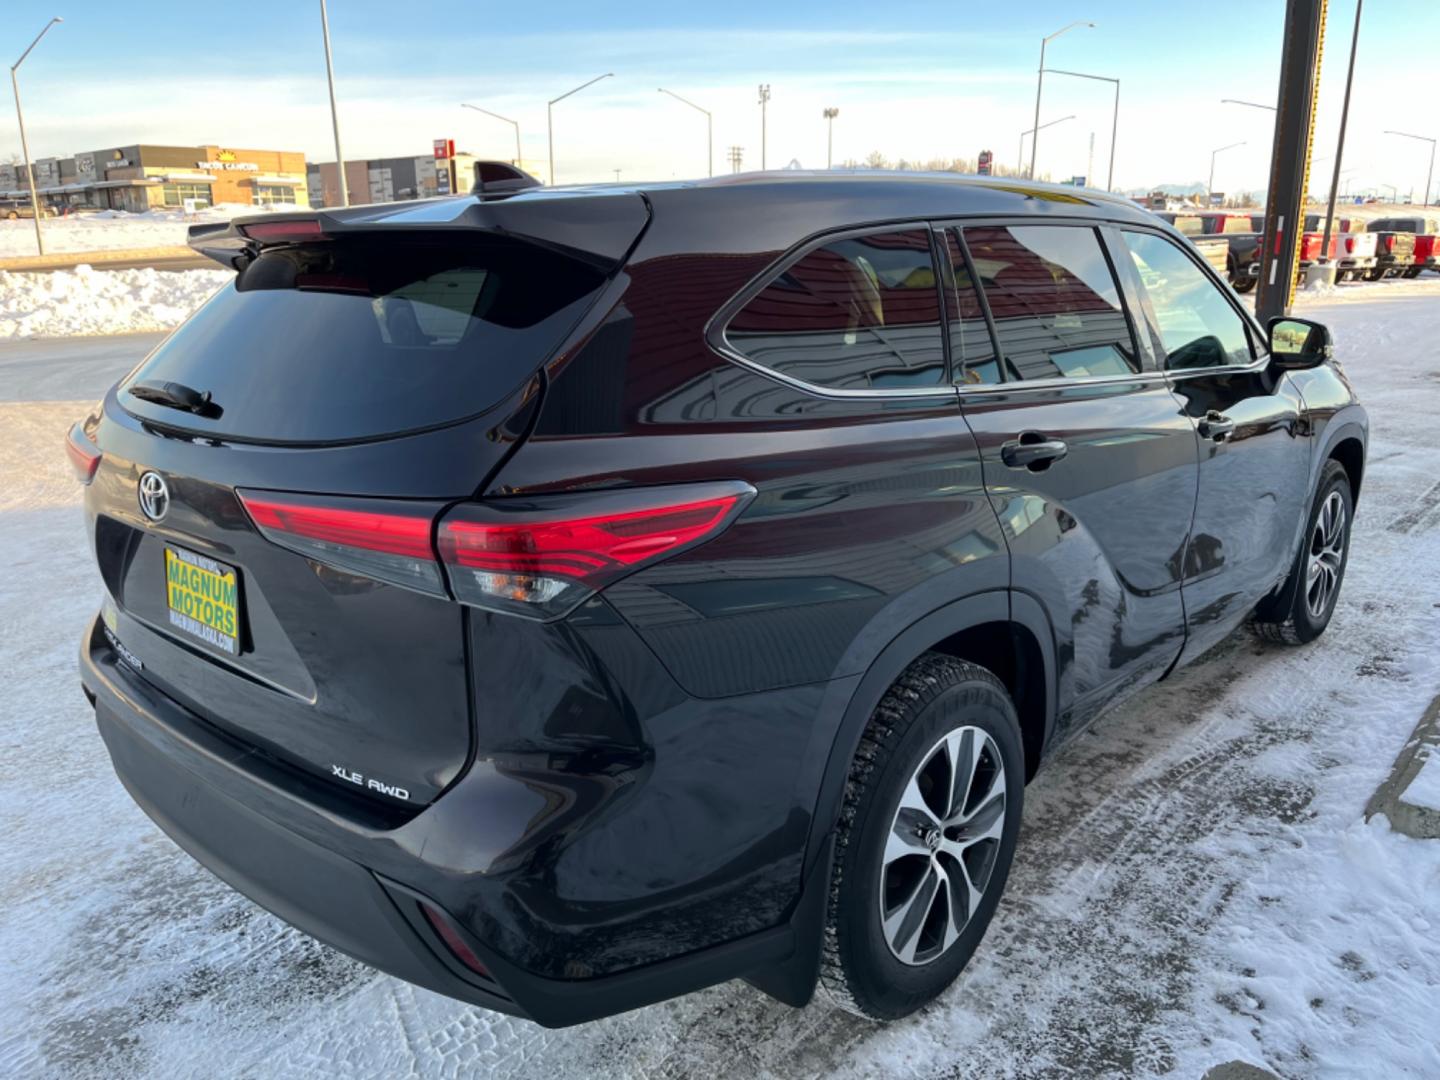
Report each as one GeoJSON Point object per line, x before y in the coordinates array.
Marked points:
{"type": "Point", "coordinates": [357, 338]}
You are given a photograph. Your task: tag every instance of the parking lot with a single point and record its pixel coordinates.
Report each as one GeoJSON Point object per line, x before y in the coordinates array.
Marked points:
{"type": "Point", "coordinates": [1196, 882]}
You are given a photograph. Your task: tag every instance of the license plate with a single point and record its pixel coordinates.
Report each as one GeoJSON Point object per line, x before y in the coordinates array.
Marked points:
{"type": "Point", "coordinates": [203, 597]}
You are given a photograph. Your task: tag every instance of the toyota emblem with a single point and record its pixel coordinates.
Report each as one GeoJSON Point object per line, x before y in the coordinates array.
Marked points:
{"type": "Point", "coordinates": [154, 496]}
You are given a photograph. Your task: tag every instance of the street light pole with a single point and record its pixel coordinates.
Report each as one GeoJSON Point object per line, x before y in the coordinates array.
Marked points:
{"type": "Point", "coordinates": [709, 129]}
{"type": "Point", "coordinates": [24, 144]}
{"type": "Point", "coordinates": [1340, 143]}
{"type": "Point", "coordinates": [830, 115]}
{"type": "Point", "coordinates": [1040, 84]}
{"type": "Point", "coordinates": [1114, 120]}
{"type": "Point", "coordinates": [1020, 157]}
{"type": "Point", "coordinates": [1210, 187]}
{"type": "Point", "coordinates": [764, 101]}
{"type": "Point", "coordinates": [550, 117]}
{"type": "Point", "coordinates": [334, 115]}
{"type": "Point", "coordinates": [507, 120]}
{"type": "Point", "coordinates": [1429, 176]}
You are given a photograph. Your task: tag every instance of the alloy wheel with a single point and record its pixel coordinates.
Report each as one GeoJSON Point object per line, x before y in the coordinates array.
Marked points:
{"type": "Point", "coordinates": [942, 845]}
{"type": "Point", "coordinates": [1327, 556]}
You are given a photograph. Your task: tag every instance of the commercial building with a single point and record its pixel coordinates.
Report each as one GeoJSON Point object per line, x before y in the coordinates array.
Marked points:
{"type": "Point", "coordinates": [143, 177]}
{"type": "Point", "coordinates": [441, 172]}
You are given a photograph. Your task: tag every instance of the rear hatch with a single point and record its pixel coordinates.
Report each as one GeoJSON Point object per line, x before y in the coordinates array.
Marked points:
{"type": "Point", "coordinates": [263, 512]}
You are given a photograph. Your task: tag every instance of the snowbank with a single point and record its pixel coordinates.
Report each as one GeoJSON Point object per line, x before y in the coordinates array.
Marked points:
{"type": "Point", "coordinates": [110, 229]}
{"type": "Point", "coordinates": [86, 301]}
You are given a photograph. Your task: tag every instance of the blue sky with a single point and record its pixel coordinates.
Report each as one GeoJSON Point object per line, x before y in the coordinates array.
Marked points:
{"type": "Point", "coordinates": [913, 80]}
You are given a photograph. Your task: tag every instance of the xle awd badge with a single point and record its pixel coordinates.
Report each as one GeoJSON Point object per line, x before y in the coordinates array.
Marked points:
{"type": "Point", "coordinates": [374, 785]}
{"type": "Point", "coordinates": [154, 495]}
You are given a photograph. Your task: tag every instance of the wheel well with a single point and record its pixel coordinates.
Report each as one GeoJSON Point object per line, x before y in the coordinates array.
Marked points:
{"type": "Point", "coordinates": [1012, 654]}
{"type": "Point", "coordinates": [1351, 455]}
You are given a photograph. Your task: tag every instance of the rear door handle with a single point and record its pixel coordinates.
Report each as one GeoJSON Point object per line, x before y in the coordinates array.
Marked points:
{"type": "Point", "coordinates": [1032, 451]}
{"type": "Point", "coordinates": [1215, 426]}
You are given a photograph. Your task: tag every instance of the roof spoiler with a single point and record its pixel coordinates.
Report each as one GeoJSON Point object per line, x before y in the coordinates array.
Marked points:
{"type": "Point", "coordinates": [597, 227]}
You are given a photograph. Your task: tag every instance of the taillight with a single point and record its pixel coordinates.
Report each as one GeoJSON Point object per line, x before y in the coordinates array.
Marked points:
{"type": "Point", "coordinates": [1387, 243]}
{"type": "Point", "coordinates": [452, 939]}
{"type": "Point", "coordinates": [541, 557]}
{"type": "Point", "coordinates": [377, 538]}
{"type": "Point", "coordinates": [1350, 245]}
{"type": "Point", "coordinates": [84, 455]}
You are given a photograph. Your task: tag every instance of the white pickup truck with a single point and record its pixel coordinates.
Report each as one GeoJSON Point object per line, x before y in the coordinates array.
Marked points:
{"type": "Point", "coordinates": [1352, 249]}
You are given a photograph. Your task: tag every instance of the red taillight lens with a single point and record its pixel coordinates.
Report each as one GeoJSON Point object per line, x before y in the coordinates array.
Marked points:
{"type": "Point", "coordinates": [84, 455]}
{"type": "Point", "coordinates": [453, 941]}
{"type": "Point", "coordinates": [542, 557]}
{"type": "Point", "coordinates": [377, 538]}
{"type": "Point", "coordinates": [279, 232]}
{"type": "Point", "coordinates": [1350, 245]}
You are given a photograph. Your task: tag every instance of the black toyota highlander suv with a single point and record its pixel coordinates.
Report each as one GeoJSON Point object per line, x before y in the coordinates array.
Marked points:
{"type": "Point", "coordinates": [571, 598]}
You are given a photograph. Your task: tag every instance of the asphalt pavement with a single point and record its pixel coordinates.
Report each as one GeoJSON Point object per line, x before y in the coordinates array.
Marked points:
{"type": "Point", "coordinates": [69, 369]}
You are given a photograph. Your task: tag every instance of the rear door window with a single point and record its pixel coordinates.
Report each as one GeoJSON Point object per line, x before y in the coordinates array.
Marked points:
{"type": "Point", "coordinates": [362, 337]}
{"type": "Point", "coordinates": [1054, 300]}
{"type": "Point", "coordinates": [858, 313]}
{"type": "Point", "coordinates": [972, 351]}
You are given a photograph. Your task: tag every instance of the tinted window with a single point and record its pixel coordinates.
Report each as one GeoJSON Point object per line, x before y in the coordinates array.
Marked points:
{"type": "Point", "coordinates": [1198, 327]}
{"type": "Point", "coordinates": [972, 352]}
{"type": "Point", "coordinates": [860, 313]}
{"type": "Point", "coordinates": [346, 340]}
{"type": "Point", "coordinates": [1054, 300]}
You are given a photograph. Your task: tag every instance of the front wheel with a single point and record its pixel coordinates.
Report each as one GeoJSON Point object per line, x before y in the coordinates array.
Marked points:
{"type": "Point", "coordinates": [925, 838]}
{"type": "Point", "coordinates": [1301, 610]}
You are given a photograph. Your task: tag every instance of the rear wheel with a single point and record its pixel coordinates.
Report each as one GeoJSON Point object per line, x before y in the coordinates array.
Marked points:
{"type": "Point", "coordinates": [925, 838]}
{"type": "Point", "coordinates": [1246, 283]}
{"type": "Point", "coordinates": [1301, 610]}
{"type": "Point", "coordinates": [1375, 275]}
{"type": "Point", "coordinates": [1414, 271]}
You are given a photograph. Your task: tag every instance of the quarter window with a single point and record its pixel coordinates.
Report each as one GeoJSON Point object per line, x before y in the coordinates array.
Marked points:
{"type": "Point", "coordinates": [1054, 300]}
{"type": "Point", "coordinates": [861, 313]}
{"type": "Point", "coordinates": [1198, 327]}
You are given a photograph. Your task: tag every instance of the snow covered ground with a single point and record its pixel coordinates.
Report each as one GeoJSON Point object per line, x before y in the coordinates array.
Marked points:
{"type": "Point", "coordinates": [110, 229]}
{"type": "Point", "coordinates": [1195, 882]}
{"type": "Point", "coordinates": [67, 303]}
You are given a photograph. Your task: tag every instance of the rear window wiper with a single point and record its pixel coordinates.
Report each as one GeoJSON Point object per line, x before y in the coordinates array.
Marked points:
{"type": "Point", "coordinates": [174, 395]}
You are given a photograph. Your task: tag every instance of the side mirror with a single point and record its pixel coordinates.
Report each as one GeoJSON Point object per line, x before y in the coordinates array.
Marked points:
{"type": "Point", "coordinates": [1296, 344]}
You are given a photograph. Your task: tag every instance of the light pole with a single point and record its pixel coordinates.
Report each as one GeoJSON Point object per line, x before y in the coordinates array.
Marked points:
{"type": "Point", "coordinates": [1114, 120]}
{"type": "Point", "coordinates": [1020, 157]}
{"type": "Point", "coordinates": [497, 116]}
{"type": "Point", "coordinates": [709, 129]}
{"type": "Point", "coordinates": [1210, 187]}
{"type": "Point", "coordinates": [24, 145]}
{"type": "Point", "coordinates": [1340, 143]}
{"type": "Point", "coordinates": [764, 101]}
{"type": "Point", "coordinates": [550, 117]}
{"type": "Point", "coordinates": [1429, 175]}
{"type": "Point", "coordinates": [1394, 192]}
{"type": "Point", "coordinates": [830, 115]}
{"type": "Point", "coordinates": [334, 116]}
{"type": "Point", "coordinates": [1252, 104]}
{"type": "Point", "coordinates": [1040, 84]}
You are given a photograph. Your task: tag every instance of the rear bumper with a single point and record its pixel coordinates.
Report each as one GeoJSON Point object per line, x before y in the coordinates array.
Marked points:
{"type": "Point", "coordinates": [357, 884]}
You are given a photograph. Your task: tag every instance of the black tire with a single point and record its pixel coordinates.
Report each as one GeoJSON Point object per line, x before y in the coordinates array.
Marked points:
{"type": "Point", "coordinates": [1413, 271]}
{"type": "Point", "coordinates": [1291, 616]}
{"type": "Point", "coordinates": [908, 737]}
{"type": "Point", "coordinates": [1374, 275]}
{"type": "Point", "coordinates": [1246, 283]}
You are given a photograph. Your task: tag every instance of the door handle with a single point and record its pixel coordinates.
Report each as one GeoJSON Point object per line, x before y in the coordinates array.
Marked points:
{"type": "Point", "coordinates": [1032, 451]}
{"type": "Point", "coordinates": [1215, 426]}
